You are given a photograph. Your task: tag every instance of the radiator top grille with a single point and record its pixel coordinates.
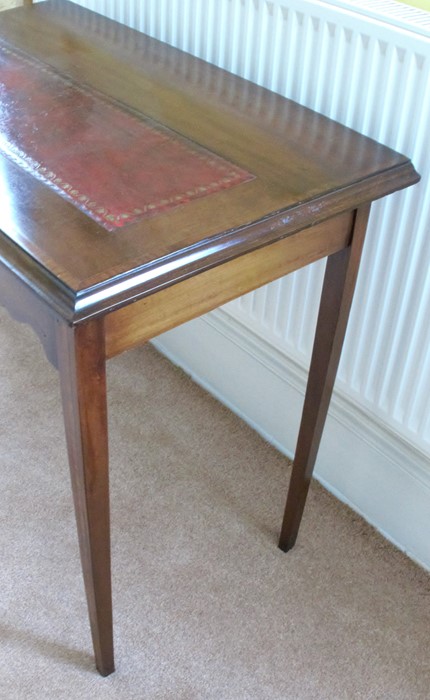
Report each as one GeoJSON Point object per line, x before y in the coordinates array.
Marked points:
{"type": "Point", "coordinates": [397, 13]}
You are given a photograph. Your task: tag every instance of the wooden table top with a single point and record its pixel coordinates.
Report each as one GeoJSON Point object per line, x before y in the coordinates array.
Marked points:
{"type": "Point", "coordinates": [127, 165]}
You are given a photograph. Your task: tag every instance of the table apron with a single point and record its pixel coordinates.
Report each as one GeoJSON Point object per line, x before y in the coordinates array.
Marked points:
{"type": "Point", "coordinates": [26, 306]}
{"type": "Point", "coordinates": [167, 308]}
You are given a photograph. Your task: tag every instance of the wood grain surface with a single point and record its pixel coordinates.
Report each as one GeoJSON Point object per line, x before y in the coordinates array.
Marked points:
{"type": "Point", "coordinates": [306, 167]}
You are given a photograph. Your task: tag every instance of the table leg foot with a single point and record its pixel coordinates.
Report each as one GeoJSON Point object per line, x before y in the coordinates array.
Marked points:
{"type": "Point", "coordinates": [336, 299]}
{"type": "Point", "coordinates": [82, 367]}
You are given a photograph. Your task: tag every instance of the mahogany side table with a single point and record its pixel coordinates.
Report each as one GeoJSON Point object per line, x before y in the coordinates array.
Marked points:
{"type": "Point", "coordinates": [141, 187]}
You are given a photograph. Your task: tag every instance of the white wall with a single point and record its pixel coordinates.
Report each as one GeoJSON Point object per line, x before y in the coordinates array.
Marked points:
{"type": "Point", "coordinates": [8, 4]}
{"type": "Point", "coordinates": [374, 76]}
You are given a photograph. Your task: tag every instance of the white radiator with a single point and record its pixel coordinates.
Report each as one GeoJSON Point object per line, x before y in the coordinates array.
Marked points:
{"type": "Point", "coordinates": [374, 78]}
{"type": "Point", "coordinates": [343, 60]}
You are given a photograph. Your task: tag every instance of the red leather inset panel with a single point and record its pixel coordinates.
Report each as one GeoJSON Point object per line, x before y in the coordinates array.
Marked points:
{"type": "Point", "coordinates": [116, 165]}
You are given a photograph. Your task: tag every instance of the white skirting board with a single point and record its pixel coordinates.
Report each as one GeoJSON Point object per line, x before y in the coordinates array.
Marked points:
{"type": "Point", "coordinates": [361, 461]}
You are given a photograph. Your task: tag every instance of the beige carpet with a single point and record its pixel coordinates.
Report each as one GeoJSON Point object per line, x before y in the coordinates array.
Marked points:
{"type": "Point", "coordinates": [206, 606]}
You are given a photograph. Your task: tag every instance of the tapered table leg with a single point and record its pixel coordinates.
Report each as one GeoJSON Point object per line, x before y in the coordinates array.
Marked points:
{"type": "Point", "coordinates": [82, 367]}
{"type": "Point", "coordinates": [336, 298]}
